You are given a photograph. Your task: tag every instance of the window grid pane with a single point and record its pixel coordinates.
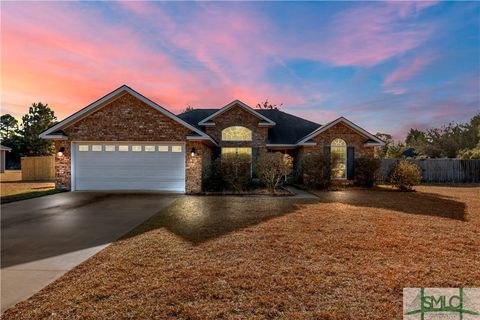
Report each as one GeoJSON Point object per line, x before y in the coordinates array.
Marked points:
{"type": "Point", "coordinates": [96, 147]}
{"type": "Point", "coordinates": [122, 148]}
{"type": "Point", "coordinates": [83, 147]}
{"type": "Point", "coordinates": [232, 151]}
{"type": "Point", "coordinates": [236, 133]}
{"type": "Point", "coordinates": [163, 148]}
{"type": "Point", "coordinates": [109, 148]}
{"type": "Point", "coordinates": [338, 152]}
{"type": "Point", "coordinates": [176, 148]}
{"type": "Point", "coordinates": [136, 148]}
{"type": "Point", "coordinates": [149, 148]}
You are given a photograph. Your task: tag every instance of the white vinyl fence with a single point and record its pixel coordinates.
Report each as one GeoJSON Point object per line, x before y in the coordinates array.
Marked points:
{"type": "Point", "coordinates": [441, 170]}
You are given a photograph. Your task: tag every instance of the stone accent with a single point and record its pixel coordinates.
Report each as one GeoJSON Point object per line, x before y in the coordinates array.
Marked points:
{"type": "Point", "coordinates": [238, 116]}
{"type": "Point", "coordinates": [128, 119]}
{"type": "Point", "coordinates": [62, 165]}
{"type": "Point", "coordinates": [196, 165]}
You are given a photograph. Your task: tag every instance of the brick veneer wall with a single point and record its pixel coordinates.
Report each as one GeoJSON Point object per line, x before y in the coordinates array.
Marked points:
{"type": "Point", "coordinates": [126, 119]}
{"type": "Point", "coordinates": [237, 116]}
{"type": "Point", "coordinates": [351, 137]}
{"type": "Point", "coordinates": [129, 119]}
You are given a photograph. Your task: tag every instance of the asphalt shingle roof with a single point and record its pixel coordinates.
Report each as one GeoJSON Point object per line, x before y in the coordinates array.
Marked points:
{"type": "Point", "coordinates": [288, 129]}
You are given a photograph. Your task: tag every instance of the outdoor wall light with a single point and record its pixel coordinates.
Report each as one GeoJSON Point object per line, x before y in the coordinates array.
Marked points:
{"type": "Point", "coordinates": [192, 152]}
{"type": "Point", "coordinates": [61, 151]}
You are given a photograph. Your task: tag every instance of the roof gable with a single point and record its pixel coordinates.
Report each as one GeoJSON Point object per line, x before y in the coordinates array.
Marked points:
{"type": "Point", "coordinates": [363, 132]}
{"type": "Point", "coordinates": [207, 120]}
{"type": "Point", "coordinates": [288, 129]}
{"type": "Point", "coordinates": [52, 132]}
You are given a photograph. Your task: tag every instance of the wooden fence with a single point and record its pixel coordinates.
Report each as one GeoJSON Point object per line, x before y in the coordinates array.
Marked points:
{"type": "Point", "coordinates": [38, 168]}
{"type": "Point", "coordinates": [441, 170]}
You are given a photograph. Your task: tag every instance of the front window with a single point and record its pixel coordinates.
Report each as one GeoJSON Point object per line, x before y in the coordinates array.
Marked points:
{"type": "Point", "coordinates": [339, 159]}
{"type": "Point", "coordinates": [236, 133]}
{"type": "Point", "coordinates": [232, 151]}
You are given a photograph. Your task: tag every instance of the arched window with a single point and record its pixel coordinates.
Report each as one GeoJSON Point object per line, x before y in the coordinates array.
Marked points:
{"type": "Point", "coordinates": [236, 133]}
{"type": "Point", "coordinates": [338, 151]}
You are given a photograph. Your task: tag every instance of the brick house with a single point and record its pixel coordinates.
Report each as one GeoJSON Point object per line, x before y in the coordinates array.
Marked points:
{"type": "Point", "coordinates": [124, 141]}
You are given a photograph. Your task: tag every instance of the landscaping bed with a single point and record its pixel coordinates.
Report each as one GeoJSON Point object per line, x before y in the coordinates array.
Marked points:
{"type": "Point", "coordinates": [280, 192]}
{"type": "Point", "coordinates": [346, 255]}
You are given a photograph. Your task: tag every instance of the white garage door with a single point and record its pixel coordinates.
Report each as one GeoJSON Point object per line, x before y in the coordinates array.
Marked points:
{"type": "Point", "coordinates": [128, 166]}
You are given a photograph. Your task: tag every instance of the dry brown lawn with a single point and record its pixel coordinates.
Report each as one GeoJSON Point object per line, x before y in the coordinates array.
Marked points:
{"type": "Point", "coordinates": [11, 184]}
{"type": "Point", "coordinates": [345, 256]}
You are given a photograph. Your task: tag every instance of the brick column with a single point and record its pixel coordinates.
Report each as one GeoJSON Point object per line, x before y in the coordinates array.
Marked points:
{"type": "Point", "coordinates": [62, 165]}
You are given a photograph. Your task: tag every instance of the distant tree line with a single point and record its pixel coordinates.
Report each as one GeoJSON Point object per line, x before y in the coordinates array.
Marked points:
{"type": "Point", "coordinates": [454, 140]}
{"type": "Point", "coordinates": [23, 137]}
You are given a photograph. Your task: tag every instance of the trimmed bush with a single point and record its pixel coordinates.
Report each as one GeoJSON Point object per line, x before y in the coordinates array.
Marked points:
{"type": "Point", "coordinates": [315, 170]}
{"type": "Point", "coordinates": [366, 170]}
{"type": "Point", "coordinates": [236, 171]}
{"type": "Point", "coordinates": [404, 175]}
{"type": "Point", "coordinates": [272, 167]}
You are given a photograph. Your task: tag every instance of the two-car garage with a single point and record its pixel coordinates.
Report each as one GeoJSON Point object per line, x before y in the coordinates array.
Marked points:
{"type": "Point", "coordinates": [128, 166]}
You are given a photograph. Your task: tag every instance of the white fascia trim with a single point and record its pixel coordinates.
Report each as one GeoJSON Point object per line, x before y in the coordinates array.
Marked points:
{"type": "Point", "coordinates": [53, 137]}
{"type": "Point", "coordinates": [281, 145]}
{"type": "Point", "coordinates": [197, 138]}
{"type": "Point", "coordinates": [264, 124]}
{"type": "Point", "coordinates": [348, 123]}
{"type": "Point", "coordinates": [290, 145]}
{"type": "Point", "coordinates": [111, 95]}
{"type": "Point", "coordinates": [373, 144]}
{"type": "Point", "coordinates": [241, 104]}
{"type": "Point", "coordinates": [285, 146]}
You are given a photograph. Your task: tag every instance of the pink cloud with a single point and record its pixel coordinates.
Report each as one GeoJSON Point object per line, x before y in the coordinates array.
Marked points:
{"type": "Point", "coordinates": [396, 90]}
{"type": "Point", "coordinates": [70, 65]}
{"type": "Point", "coordinates": [411, 8]}
{"type": "Point", "coordinates": [369, 35]}
{"type": "Point", "coordinates": [211, 58]}
{"type": "Point", "coordinates": [407, 71]}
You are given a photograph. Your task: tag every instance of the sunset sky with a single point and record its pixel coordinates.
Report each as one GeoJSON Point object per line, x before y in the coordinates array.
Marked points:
{"type": "Point", "coordinates": [386, 66]}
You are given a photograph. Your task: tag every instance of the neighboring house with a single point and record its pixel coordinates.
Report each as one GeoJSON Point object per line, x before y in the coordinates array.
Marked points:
{"type": "Point", "coordinates": [3, 151]}
{"type": "Point", "coordinates": [125, 141]}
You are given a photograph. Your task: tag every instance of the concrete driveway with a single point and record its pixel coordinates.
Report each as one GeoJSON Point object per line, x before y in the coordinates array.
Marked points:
{"type": "Point", "coordinates": [43, 238]}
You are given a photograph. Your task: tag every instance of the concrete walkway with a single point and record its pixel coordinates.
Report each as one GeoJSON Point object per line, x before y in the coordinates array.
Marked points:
{"type": "Point", "coordinates": [300, 194]}
{"type": "Point", "coordinates": [43, 238]}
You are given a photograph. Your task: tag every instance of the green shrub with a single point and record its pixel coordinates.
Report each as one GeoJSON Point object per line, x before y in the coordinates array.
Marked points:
{"type": "Point", "coordinates": [405, 175]}
{"type": "Point", "coordinates": [272, 167]}
{"type": "Point", "coordinates": [315, 170]}
{"type": "Point", "coordinates": [366, 170]}
{"type": "Point", "coordinates": [236, 170]}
